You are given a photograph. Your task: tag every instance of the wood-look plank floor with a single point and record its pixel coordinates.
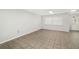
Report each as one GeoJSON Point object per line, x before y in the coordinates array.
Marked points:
{"type": "Point", "coordinates": [44, 39]}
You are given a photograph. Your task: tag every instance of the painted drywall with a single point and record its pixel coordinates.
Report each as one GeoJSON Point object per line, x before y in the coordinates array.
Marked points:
{"type": "Point", "coordinates": [15, 23]}
{"type": "Point", "coordinates": [62, 22]}
{"type": "Point", "coordinates": [1, 28]}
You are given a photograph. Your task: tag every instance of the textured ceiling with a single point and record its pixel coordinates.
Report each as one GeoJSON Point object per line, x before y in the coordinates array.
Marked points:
{"type": "Point", "coordinates": [46, 11]}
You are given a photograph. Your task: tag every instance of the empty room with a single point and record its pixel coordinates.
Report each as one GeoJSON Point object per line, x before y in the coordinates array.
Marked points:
{"type": "Point", "coordinates": [39, 29]}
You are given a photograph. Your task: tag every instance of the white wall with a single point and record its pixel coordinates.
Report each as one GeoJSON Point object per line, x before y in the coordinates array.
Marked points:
{"type": "Point", "coordinates": [15, 23]}
{"type": "Point", "coordinates": [63, 25]}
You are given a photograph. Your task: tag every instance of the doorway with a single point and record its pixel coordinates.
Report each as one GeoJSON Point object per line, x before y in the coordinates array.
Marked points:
{"type": "Point", "coordinates": [75, 22]}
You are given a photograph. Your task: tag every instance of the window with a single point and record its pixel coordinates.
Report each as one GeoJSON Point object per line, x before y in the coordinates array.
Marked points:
{"type": "Point", "coordinates": [54, 21]}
